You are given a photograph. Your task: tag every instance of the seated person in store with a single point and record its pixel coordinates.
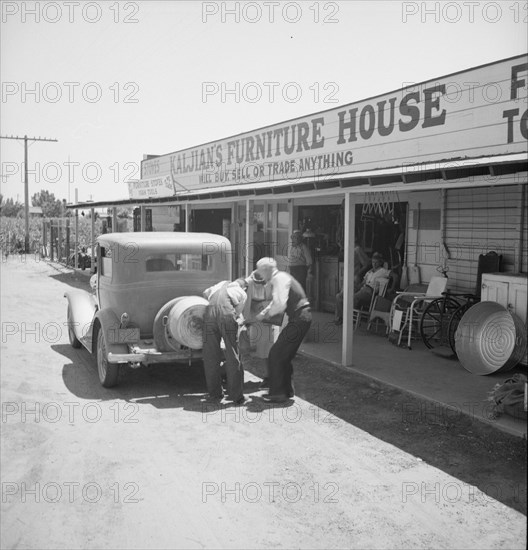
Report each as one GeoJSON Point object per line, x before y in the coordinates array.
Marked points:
{"type": "Point", "coordinates": [361, 264]}
{"type": "Point", "coordinates": [384, 303]}
{"type": "Point", "coordinates": [363, 296]}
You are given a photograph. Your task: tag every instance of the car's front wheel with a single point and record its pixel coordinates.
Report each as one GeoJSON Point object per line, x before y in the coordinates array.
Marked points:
{"type": "Point", "coordinates": [108, 372]}
{"type": "Point", "coordinates": [71, 332]}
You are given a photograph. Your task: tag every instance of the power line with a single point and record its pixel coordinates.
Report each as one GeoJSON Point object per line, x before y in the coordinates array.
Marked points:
{"type": "Point", "coordinates": [26, 189]}
{"type": "Point", "coordinates": [28, 138]}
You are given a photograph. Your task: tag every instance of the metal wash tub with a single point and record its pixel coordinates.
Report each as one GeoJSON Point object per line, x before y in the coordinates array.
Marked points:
{"type": "Point", "coordinates": [489, 338]}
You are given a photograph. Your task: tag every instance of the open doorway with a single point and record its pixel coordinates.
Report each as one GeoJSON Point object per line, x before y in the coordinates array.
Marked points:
{"type": "Point", "coordinates": [216, 221]}
{"type": "Point", "coordinates": [381, 228]}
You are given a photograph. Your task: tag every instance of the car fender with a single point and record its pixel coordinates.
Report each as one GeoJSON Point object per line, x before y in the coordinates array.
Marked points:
{"type": "Point", "coordinates": [83, 306]}
{"type": "Point", "coordinates": [107, 321]}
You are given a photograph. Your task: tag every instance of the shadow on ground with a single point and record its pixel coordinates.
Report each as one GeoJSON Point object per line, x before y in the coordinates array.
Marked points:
{"type": "Point", "coordinates": [458, 444]}
{"type": "Point", "coordinates": [164, 386]}
{"type": "Point", "coordinates": [74, 279]}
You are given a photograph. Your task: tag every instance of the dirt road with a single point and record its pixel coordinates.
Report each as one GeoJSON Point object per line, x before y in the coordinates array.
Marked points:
{"type": "Point", "coordinates": [149, 465]}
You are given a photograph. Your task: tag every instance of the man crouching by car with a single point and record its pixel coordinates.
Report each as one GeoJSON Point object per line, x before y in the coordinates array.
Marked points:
{"type": "Point", "coordinates": [226, 302]}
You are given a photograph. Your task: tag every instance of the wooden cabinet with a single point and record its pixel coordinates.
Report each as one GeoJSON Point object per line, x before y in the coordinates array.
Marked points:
{"type": "Point", "coordinates": [518, 296]}
{"type": "Point", "coordinates": [509, 290]}
{"type": "Point", "coordinates": [495, 291]}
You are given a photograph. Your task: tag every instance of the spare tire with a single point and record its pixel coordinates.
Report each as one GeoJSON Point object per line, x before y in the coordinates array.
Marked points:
{"type": "Point", "coordinates": [179, 323]}
{"type": "Point", "coordinates": [185, 321]}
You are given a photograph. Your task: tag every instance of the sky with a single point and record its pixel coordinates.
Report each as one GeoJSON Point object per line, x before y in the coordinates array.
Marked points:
{"type": "Point", "coordinates": [114, 80]}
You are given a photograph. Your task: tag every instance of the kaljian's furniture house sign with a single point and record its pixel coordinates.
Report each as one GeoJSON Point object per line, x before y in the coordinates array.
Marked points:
{"type": "Point", "coordinates": [474, 113]}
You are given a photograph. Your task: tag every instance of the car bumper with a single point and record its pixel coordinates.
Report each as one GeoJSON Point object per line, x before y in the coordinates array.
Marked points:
{"type": "Point", "coordinates": [151, 357]}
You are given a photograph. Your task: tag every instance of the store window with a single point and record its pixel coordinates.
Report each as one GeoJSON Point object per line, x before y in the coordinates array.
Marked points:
{"type": "Point", "coordinates": [106, 261]}
{"type": "Point", "coordinates": [270, 237]}
{"type": "Point", "coordinates": [322, 228]}
{"type": "Point", "coordinates": [257, 248]}
{"type": "Point", "coordinates": [179, 262]}
{"type": "Point", "coordinates": [283, 225]}
{"type": "Point", "coordinates": [258, 217]}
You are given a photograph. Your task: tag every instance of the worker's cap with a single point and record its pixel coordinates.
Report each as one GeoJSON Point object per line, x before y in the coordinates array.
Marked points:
{"type": "Point", "coordinates": [256, 277]}
{"type": "Point", "coordinates": [241, 282]}
{"type": "Point", "coordinates": [377, 256]}
{"type": "Point", "coordinates": [266, 262]}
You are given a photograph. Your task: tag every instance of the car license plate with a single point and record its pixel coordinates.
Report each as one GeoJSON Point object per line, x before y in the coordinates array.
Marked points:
{"type": "Point", "coordinates": [123, 335]}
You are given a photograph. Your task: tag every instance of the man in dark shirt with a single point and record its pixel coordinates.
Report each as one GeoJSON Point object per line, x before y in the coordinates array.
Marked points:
{"type": "Point", "coordinates": [288, 296]}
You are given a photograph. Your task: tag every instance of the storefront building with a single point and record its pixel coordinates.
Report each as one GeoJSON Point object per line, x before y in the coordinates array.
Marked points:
{"type": "Point", "coordinates": [432, 176]}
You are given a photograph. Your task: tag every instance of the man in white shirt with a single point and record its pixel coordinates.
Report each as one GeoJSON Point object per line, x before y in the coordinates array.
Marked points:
{"type": "Point", "coordinates": [287, 296]}
{"type": "Point", "coordinates": [220, 321]}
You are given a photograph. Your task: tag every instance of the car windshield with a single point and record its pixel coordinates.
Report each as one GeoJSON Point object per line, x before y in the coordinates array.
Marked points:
{"type": "Point", "coordinates": [179, 262]}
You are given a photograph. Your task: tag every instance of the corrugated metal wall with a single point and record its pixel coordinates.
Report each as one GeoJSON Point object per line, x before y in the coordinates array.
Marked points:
{"type": "Point", "coordinates": [482, 219]}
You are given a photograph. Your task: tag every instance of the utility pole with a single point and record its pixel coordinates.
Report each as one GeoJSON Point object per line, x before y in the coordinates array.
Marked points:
{"type": "Point", "coordinates": [26, 188]}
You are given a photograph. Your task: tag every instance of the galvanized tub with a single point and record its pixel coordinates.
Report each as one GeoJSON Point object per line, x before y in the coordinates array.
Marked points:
{"type": "Point", "coordinates": [489, 338]}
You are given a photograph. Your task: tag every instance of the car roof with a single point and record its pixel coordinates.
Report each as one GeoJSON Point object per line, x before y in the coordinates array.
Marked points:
{"type": "Point", "coordinates": [162, 240]}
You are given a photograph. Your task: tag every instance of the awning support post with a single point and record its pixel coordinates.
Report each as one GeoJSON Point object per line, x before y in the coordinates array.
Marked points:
{"type": "Point", "coordinates": [114, 219]}
{"type": "Point", "coordinates": [142, 217]}
{"type": "Point", "coordinates": [247, 253]}
{"type": "Point", "coordinates": [348, 281]}
{"type": "Point", "coordinates": [92, 220]}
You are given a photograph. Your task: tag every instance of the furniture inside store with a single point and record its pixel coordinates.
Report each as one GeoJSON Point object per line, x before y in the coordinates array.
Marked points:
{"type": "Point", "coordinates": [380, 227]}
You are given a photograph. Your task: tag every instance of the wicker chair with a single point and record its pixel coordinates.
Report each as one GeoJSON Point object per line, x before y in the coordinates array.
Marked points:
{"type": "Point", "coordinates": [380, 287]}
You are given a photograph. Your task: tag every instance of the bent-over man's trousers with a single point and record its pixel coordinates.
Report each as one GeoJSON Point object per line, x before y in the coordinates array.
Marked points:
{"type": "Point", "coordinates": [219, 324]}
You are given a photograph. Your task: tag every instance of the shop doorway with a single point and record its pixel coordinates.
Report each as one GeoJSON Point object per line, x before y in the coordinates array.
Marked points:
{"type": "Point", "coordinates": [216, 221]}
{"type": "Point", "coordinates": [322, 230]}
{"type": "Point", "coordinates": [379, 227]}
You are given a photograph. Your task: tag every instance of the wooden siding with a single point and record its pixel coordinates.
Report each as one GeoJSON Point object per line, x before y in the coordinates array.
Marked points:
{"type": "Point", "coordinates": [479, 220]}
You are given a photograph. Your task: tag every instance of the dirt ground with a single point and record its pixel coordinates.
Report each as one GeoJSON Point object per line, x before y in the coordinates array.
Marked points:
{"type": "Point", "coordinates": [350, 464]}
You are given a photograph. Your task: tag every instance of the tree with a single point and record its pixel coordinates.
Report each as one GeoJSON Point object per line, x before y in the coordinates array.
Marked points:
{"type": "Point", "coordinates": [51, 207]}
{"type": "Point", "coordinates": [124, 212]}
{"type": "Point", "coordinates": [10, 208]}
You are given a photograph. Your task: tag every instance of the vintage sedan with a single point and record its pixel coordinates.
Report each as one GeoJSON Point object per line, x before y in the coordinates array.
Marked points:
{"type": "Point", "coordinates": [146, 306]}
